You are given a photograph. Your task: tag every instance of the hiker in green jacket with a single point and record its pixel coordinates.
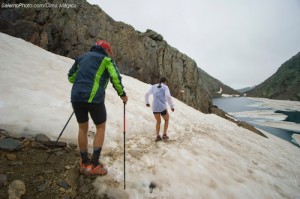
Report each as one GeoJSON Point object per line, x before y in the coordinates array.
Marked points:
{"type": "Point", "coordinates": [90, 75]}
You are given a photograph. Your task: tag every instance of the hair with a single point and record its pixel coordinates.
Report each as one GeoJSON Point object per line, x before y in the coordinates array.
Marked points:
{"type": "Point", "coordinates": [162, 80]}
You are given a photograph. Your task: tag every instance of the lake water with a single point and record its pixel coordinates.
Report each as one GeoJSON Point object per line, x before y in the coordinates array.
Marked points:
{"type": "Point", "coordinates": [240, 104]}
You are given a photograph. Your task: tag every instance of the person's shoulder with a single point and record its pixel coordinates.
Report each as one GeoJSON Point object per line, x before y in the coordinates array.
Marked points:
{"type": "Point", "coordinates": [86, 54]}
{"type": "Point", "coordinates": [153, 86]}
{"type": "Point", "coordinates": [165, 86]}
{"type": "Point", "coordinates": [96, 55]}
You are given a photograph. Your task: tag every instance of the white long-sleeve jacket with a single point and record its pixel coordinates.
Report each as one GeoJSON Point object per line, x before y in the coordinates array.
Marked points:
{"type": "Point", "coordinates": [160, 97]}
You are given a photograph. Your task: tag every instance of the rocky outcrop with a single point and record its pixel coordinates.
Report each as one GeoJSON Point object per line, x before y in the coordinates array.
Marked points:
{"type": "Point", "coordinates": [145, 56]}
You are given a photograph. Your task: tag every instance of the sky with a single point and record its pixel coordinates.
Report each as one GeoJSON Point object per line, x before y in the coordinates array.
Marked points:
{"type": "Point", "coordinates": [205, 157]}
{"type": "Point", "coordinates": [239, 42]}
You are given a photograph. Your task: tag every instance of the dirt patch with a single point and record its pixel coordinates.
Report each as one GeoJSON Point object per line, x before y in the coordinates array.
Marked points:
{"type": "Point", "coordinates": [58, 178]}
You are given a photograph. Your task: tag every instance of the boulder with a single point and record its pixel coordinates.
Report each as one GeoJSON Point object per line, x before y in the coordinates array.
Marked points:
{"type": "Point", "coordinates": [10, 144]}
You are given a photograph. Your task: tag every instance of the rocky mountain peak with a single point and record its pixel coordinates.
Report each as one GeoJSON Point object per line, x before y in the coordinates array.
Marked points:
{"type": "Point", "coordinates": [145, 56]}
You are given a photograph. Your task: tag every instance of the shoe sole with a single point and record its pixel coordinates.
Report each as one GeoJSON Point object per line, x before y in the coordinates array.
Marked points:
{"type": "Point", "coordinates": [89, 171]}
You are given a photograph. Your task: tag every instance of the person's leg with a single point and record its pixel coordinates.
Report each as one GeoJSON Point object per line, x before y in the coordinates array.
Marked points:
{"type": "Point", "coordinates": [81, 114]}
{"type": "Point", "coordinates": [82, 136]}
{"type": "Point", "coordinates": [98, 114]}
{"type": "Point", "coordinates": [158, 121]}
{"type": "Point", "coordinates": [83, 141]}
{"type": "Point", "coordinates": [98, 143]}
{"type": "Point", "coordinates": [100, 135]}
{"type": "Point", "coordinates": [165, 116]}
{"type": "Point", "coordinates": [157, 126]}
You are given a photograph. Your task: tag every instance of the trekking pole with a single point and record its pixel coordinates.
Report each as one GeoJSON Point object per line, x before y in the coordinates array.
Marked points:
{"type": "Point", "coordinates": [124, 144]}
{"type": "Point", "coordinates": [59, 136]}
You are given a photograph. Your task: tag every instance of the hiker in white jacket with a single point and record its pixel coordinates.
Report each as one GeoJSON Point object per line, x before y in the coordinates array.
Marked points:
{"type": "Point", "coordinates": [161, 95]}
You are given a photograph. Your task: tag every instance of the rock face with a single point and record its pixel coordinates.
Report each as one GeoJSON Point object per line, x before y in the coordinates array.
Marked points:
{"type": "Point", "coordinates": [145, 56]}
{"type": "Point", "coordinates": [283, 85]}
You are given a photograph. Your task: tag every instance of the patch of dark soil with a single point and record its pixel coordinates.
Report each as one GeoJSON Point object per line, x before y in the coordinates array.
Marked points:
{"type": "Point", "coordinates": [58, 178]}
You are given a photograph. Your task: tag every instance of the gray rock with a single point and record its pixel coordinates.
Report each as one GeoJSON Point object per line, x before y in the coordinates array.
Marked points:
{"type": "Point", "coordinates": [38, 145]}
{"type": "Point", "coordinates": [10, 144]}
{"type": "Point", "coordinates": [16, 163]}
{"type": "Point", "coordinates": [41, 138]}
{"type": "Point", "coordinates": [3, 180]}
{"type": "Point", "coordinates": [49, 172]}
{"type": "Point", "coordinates": [42, 187]}
{"type": "Point", "coordinates": [154, 35]}
{"type": "Point", "coordinates": [63, 184]}
{"type": "Point", "coordinates": [73, 146]}
{"type": "Point", "coordinates": [53, 144]}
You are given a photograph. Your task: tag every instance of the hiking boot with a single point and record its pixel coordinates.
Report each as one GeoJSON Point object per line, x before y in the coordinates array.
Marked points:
{"type": "Point", "coordinates": [84, 168]}
{"type": "Point", "coordinates": [165, 137]}
{"type": "Point", "coordinates": [97, 170]}
{"type": "Point", "coordinates": [158, 138]}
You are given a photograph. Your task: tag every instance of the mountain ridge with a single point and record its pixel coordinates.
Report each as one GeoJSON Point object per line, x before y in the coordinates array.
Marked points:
{"type": "Point", "coordinates": [145, 56]}
{"type": "Point", "coordinates": [284, 84]}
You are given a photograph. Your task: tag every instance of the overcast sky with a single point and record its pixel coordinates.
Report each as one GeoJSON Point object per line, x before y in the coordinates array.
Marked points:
{"type": "Point", "coordinates": [239, 42]}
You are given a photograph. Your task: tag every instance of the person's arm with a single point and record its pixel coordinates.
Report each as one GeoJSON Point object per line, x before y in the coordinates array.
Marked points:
{"type": "Point", "coordinates": [73, 72]}
{"type": "Point", "coordinates": [169, 98]}
{"type": "Point", "coordinates": [149, 92]}
{"type": "Point", "coordinates": [115, 77]}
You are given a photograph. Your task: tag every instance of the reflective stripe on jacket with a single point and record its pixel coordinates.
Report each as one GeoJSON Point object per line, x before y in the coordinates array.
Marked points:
{"type": "Point", "coordinates": [90, 75]}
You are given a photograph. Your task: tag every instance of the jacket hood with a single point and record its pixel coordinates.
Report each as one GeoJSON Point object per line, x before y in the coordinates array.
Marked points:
{"type": "Point", "coordinates": [98, 49]}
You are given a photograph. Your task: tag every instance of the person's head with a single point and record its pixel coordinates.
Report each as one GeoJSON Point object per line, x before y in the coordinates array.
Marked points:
{"type": "Point", "coordinates": [105, 45]}
{"type": "Point", "coordinates": [162, 80]}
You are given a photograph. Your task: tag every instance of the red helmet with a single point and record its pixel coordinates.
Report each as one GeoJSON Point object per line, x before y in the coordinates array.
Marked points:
{"type": "Point", "coordinates": [104, 44]}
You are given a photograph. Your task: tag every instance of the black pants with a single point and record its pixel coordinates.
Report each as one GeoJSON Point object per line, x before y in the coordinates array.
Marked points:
{"type": "Point", "coordinates": [97, 112]}
{"type": "Point", "coordinates": [162, 113]}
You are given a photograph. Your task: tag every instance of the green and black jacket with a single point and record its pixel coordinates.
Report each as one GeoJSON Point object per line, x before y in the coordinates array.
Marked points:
{"type": "Point", "coordinates": [90, 75]}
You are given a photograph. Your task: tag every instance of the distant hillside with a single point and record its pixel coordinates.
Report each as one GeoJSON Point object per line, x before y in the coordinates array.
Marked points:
{"type": "Point", "coordinates": [243, 90]}
{"type": "Point", "coordinates": [213, 85]}
{"type": "Point", "coordinates": [284, 84]}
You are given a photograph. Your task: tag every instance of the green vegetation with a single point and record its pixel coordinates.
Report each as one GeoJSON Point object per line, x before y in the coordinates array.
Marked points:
{"type": "Point", "coordinates": [284, 84]}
